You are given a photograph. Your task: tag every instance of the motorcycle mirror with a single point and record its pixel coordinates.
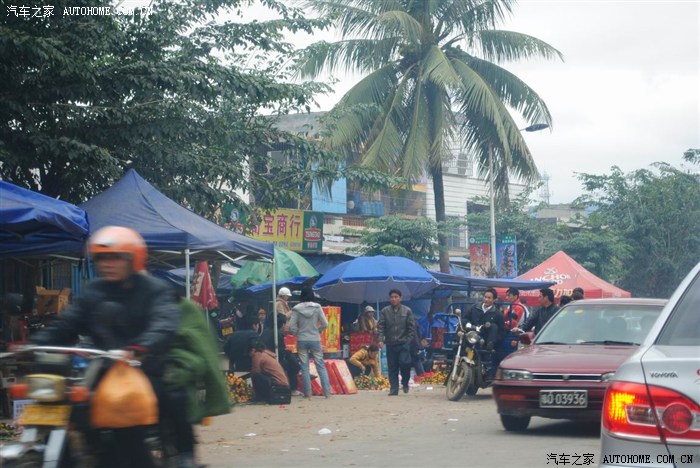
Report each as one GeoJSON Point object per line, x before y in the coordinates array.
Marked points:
{"type": "Point", "coordinates": [457, 312]}
{"type": "Point", "coordinates": [525, 339]}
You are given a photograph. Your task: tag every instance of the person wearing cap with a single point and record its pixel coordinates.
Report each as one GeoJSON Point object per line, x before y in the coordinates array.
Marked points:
{"type": "Point", "coordinates": [282, 304]}
{"type": "Point", "coordinates": [366, 322]}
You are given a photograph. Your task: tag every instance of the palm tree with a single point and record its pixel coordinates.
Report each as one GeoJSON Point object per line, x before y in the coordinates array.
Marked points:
{"type": "Point", "coordinates": [430, 77]}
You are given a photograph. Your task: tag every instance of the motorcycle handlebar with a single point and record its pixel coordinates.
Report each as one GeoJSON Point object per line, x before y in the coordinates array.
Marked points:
{"type": "Point", "coordinates": [114, 354]}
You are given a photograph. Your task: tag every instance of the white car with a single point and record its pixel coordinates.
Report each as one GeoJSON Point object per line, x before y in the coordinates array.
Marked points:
{"type": "Point", "coordinates": [651, 411]}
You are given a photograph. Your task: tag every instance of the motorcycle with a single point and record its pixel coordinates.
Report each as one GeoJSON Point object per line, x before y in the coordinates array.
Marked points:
{"type": "Point", "coordinates": [473, 366]}
{"type": "Point", "coordinates": [56, 425]}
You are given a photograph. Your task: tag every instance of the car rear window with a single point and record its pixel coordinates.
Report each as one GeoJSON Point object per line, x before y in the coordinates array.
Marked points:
{"type": "Point", "coordinates": [683, 325]}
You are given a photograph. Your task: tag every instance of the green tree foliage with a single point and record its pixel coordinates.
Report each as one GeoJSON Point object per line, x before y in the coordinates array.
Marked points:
{"type": "Point", "coordinates": [177, 92]}
{"type": "Point", "coordinates": [602, 251]}
{"type": "Point", "coordinates": [395, 235]}
{"type": "Point", "coordinates": [425, 63]}
{"type": "Point", "coordinates": [656, 212]}
{"type": "Point", "coordinates": [513, 219]}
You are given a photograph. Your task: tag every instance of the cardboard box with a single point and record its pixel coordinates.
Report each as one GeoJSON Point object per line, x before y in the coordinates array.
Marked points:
{"type": "Point", "coordinates": [51, 300]}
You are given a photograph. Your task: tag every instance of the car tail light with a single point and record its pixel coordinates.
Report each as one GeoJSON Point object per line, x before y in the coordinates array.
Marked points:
{"type": "Point", "coordinates": [635, 411]}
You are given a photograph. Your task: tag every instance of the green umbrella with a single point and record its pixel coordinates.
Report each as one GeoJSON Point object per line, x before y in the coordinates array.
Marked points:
{"type": "Point", "coordinates": [287, 265]}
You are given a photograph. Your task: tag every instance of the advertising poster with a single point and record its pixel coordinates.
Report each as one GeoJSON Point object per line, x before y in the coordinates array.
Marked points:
{"type": "Point", "coordinates": [330, 338]}
{"type": "Point", "coordinates": [507, 257]}
{"type": "Point", "coordinates": [479, 256]}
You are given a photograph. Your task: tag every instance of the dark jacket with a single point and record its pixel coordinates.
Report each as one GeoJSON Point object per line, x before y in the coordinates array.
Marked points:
{"type": "Point", "coordinates": [139, 313]}
{"type": "Point", "coordinates": [477, 316]}
{"type": "Point", "coordinates": [237, 349]}
{"type": "Point", "coordinates": [539, 318]}
{"type": "Point", "coordinates": [396, 326]}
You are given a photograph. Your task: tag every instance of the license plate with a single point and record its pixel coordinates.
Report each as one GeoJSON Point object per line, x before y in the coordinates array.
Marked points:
{"type": "Point", "coordinates": [45, 415]}
{"type": "Point", "coordinates": [563, 398]}
{"type": "Point", "coordinates": [227, 331]}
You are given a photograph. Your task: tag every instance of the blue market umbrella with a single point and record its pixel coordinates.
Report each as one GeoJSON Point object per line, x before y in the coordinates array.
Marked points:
{"type": "Point", "coordinates": [369, 279]}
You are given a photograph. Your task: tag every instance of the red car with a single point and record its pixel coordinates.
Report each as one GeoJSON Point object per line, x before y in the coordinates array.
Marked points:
{"type": "Point", "coordinates": [564, 372]}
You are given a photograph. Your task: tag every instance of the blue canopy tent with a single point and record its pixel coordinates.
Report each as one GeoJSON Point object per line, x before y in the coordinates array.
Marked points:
{"type": "Point", "coordinates": [473, 283]}
{"type": "Point", "coordinates": [169, 229]}
{"type": "Point", "coordinates": [35, 224]}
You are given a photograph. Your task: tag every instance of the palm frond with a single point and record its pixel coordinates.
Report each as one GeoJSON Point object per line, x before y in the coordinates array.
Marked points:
{"type": "Point", "coordinates": [438, 69]}
{"type": "Point", "coordinates": [499, 45]}
{"type": "Point", "coordinates": [399, 23]}
{"type": "Point", "coordinates": [362, 55]}
{"type": "Point", "coordinates": [417, 147]}
{"type": "Point", "coordinates": [514, 92]}
{"type": "Point", "coordinates": [467, 17]}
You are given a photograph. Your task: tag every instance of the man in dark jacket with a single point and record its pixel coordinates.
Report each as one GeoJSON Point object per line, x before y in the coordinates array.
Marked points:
{"type": "Point", "coordinates": [540, 316]}
{"type": "Point", "coordinates": [396, 328]}
{"type": "Point", "coordinates": [487, 312]}
{"type": "Point", "coordinates": [238, 344]}
{"type": "Point", "coordinates": [124, 309]}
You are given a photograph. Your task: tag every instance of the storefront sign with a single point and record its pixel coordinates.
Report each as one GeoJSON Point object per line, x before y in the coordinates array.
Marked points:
{"type": "Point", "coordinates": [291, 229]}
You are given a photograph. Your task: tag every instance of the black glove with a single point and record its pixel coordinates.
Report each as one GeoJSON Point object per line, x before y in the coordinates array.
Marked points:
{"type": "Point", "coordinates": [490, 345]}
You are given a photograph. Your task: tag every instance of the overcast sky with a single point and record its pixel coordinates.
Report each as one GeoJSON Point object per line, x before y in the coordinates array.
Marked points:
{"type": "Point", "coordinates": [627, 93]}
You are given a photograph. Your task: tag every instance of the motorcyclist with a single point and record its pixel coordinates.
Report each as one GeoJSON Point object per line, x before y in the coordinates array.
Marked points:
{"type": "Point", "coordinates": [488, 312]}
{"type": "Point", "coordinates": [125, 309]}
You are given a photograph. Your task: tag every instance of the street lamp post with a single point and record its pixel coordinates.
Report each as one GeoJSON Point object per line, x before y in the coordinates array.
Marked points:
{"type": "Point", "coordinates": [492, 195]}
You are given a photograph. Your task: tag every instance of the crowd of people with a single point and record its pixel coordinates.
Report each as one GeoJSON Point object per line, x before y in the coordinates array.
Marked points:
{"type": "Point", "coordinates": [145, 319]}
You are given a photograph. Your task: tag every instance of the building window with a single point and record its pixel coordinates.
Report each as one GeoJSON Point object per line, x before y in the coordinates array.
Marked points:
{"type": "Point", "coordinates": [456, 234]}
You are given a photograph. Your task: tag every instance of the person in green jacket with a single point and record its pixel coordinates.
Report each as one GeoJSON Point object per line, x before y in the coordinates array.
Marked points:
{"type": "Point", "coordinates": [193, 365]}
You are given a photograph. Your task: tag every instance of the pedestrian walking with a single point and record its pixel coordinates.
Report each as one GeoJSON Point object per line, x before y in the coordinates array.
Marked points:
{"type": "Point", "coordinates": [396, 328]}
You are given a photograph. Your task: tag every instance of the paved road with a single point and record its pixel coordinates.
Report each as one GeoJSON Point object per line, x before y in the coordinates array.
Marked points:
{"type": "Point", "coordinates": [421, 429]}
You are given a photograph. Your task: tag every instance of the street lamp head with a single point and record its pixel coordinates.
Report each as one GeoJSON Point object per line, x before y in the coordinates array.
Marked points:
{"type": "Point", "coordinates": [536, 127]}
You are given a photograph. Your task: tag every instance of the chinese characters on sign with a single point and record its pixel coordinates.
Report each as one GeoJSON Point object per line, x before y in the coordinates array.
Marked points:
{"type": "Point", "coordinates": [291, 229]}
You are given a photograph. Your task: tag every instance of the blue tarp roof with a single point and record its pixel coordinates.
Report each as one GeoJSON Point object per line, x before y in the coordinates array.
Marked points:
{"type": "Point", "coordinates": [472, 283]}
{"type": "Point", "coordinates": [33, 224]}
{"type": "Point", "coordinates": [165, 225]}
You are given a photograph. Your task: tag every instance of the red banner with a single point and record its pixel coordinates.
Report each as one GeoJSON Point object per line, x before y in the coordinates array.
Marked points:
{"type": "Point", "coordinates": [202, 291]}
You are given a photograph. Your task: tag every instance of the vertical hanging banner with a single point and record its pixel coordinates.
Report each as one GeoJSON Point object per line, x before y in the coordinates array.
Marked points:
{"type": "Point", "coordinates": [330, 338]}
{"type": "Point", "coordinates": [479, 256]}
{"type": "Point", "coordinates": [507, 257]}
{"type": "Point", "coordinates": [202, 291]}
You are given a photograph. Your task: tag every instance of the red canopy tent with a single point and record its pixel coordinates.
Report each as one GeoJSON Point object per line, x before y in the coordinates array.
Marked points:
{"type": "Point", "coordinates": [568, 274]}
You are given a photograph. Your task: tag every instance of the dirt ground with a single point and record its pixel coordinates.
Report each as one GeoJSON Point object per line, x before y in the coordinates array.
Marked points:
{"type": "Point", "coordinates": [265, 435]}
{"type": "Point", "coordinates": [371, 429]}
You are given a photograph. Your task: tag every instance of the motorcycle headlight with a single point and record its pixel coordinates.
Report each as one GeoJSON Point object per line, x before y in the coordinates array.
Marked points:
{"type": "Point", "coordinates": [510, 374]}
{"type": "Point", "coordinates": [472, 337]}
{"type": "Point", "coordinates": [46, 387]}
{"type": "Point", "coordinates": [607, 377]}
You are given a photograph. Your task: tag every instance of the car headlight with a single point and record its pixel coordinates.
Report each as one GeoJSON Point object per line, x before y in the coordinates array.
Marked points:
{"type": "Point", "coordinates": [607, 377]}
{"type": "Point", "coordinates": [472, 337]}
{"type": "Point", "coordinates": [511, 374]}
{"type": "Point", "coordinates": [46, 387]}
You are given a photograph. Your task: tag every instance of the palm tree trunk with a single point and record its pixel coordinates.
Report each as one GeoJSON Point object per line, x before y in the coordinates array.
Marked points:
{"type": "Point", "coordinates": [439, 192]}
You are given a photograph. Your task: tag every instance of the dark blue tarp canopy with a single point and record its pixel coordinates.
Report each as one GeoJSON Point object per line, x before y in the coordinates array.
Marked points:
{"type": "Point", "coordinates": [472, 283]}
{"type": "Point", "coordinates": [165, 225]}
{"type": "Point", "coordinates": [34, 224]}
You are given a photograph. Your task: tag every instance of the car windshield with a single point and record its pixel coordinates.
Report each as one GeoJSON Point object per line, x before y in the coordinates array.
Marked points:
{"type": "Point", "coordinates": [600, 324]}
